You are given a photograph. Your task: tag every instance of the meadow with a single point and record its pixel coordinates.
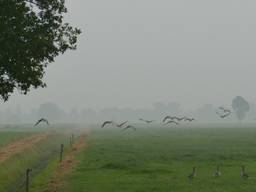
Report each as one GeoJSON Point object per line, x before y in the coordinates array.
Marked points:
{"type": "Point", "coordinates": [149, 159]}
{"type": "Point", "coordinates": [160, 159]}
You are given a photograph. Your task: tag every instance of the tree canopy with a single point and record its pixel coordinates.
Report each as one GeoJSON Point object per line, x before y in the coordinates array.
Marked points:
{"type": "Point", "coordinates": [32, 34]}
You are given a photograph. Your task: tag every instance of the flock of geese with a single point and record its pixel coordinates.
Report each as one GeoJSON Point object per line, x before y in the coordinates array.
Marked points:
{"type": "Point", "coordinates": [119, 125]}
{"type": "Point", "coordinates": [221, 112]}
{"type": "Point", "coordinates": [217, 173]}
{"type": "Point", "coordinates": [167, 120]}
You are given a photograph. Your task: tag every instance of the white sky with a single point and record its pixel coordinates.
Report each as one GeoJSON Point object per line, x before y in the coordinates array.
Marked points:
{"type": "Point", "coordinates": [133, 53]}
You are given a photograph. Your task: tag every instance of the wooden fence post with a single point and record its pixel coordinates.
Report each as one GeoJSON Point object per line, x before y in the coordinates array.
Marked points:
{"type": "Point", "coordinates": [61, 152]}
{"type": "Point", "coordinates": [27, 179]}
{"type": "Point", "coordinates": [71, 141]}
{"type": "Point", "coordinates": [73, 138]}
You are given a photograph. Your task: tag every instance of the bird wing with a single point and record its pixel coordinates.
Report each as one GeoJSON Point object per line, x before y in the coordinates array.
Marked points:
{"type": "Point", "coordinates": [120, 125]}
{"type": "Point", "coordinates": [46, 121]}
{"type": "Point", "coordinates": [171, 122]}
{"type": "Point", "coordinates": [106, 123]}
{"type": "Point", "coordinates": [167, 117]}
{"type": "Point", "coordinates": [39, 121]}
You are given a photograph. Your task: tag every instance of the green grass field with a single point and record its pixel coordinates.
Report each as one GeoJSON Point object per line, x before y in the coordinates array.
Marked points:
{"type": "Point", "coordinates": [38, 157]}
{"type": "Point", "coordinates": [150, 159]}
{"type": "Point", "coordinates": [160, 159]}
{"type": "Point", "coordinates": [7, 137]}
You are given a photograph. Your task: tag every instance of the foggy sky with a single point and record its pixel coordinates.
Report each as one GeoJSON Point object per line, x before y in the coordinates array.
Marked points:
{"type": "Point", "coordinates": [133, 53]}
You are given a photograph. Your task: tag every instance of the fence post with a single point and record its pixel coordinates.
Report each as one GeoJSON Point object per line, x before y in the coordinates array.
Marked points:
{"type": "Point", "coordinates": [71, 141]}
{"type": "Point", "coordinates": [73, 138]}
{"type": "Point", "coordinates": [61, 152]}
{"type": "Point", "coordinates": [27, 179]}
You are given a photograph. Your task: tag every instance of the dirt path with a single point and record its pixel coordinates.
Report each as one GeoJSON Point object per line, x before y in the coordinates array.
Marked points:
{"type": "Point", "coordinates": [67, 165]}
{"type": "Point", "coordinates": [20, 146]}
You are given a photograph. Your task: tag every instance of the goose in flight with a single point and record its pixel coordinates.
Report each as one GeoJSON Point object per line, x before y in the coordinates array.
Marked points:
{"type": "Point", "coordinates": [189, 119]}
{"type": "Point", "coordinates": [106, 123]}
{"type": "Point", "coordinates": [146, 121]}
{"type": "Point", "coordinates": [42, 120]}
{"type": "Point", "coordinates": [167, 117]}
{"type": "Point", "coordinates": [129, 127]}
{"type": "Point", "coordinates": [224, 115]}
{"type": "Point", "coordinates": [171, 121]}
{"type": "Point", "coordinates": [121, 124]}
{"type": "Point", "coordinates": [225, 110]}
{"type": "Point", "coordinates": [178, 118]}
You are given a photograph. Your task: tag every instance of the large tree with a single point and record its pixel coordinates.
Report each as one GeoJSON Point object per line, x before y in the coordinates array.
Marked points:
{"type": "Point", "coordinates": [241, 107]}
{"type": "Point", "coordinates": [32, 35]}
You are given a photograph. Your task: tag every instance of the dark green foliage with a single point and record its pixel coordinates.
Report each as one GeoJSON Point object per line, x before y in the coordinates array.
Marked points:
{"type": "Point", "coordinates": [32, 35]}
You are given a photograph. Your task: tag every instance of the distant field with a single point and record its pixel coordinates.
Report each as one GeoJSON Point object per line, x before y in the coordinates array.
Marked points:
{"type": "Point", "coordinates": [160, 159]}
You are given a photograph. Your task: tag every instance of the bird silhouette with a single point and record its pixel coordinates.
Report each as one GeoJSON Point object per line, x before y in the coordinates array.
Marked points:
{"type": "Point", "coordinates": [178, 118]}
{"type": "Point", "coordinates": [189, 119]}
{"type": "Point", "coordinates": [146, 121]}
{"type": "Point", "coordinates": [244, 175]}
{"type": "Point", "coordinates": [217, 172]}
{"type": "Point", "coordinates": [224, 115]}
{"type": "Point", "coordinates": [224, 112]}
{"type": "Point", "coordinates": [167, 117]}
{"type": "Point", "coordinates": [193, 174]}
{"type": "Point", "coordinates": [129, 127]}
{"type": "Point", "coordinates": [106, 123]}
{"type": "Point", "coordinates": [42, 120]}
{"type": "Point", "coordinates": [121, 124]}
{"type": "Point", "coordinates": [171, 121]}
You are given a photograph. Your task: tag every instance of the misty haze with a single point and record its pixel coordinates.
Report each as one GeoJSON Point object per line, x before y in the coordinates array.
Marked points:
{"type": "Point", "coordinates": [137, 95]}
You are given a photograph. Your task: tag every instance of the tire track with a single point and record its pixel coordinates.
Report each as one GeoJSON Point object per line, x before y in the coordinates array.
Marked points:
{"type": "Point", "coordinates": [20, 146]}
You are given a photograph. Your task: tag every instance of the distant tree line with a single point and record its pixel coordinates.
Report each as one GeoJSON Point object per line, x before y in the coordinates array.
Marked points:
{"type": "Point", "coordinates": [242, 110]}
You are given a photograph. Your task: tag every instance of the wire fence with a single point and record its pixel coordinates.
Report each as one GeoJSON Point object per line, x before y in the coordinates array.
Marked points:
{"type": "Point", "coordinates": [23, 183]}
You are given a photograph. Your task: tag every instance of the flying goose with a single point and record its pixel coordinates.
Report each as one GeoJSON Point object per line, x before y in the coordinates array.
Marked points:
{"type": "Point", "coordinates": [42, 120]}
{"type": "Point", "coordinates": [167, 117]}
{"type": "Point", "coordinates": [171, 121]}
{"type": "Point", "coordinates": [178, 118]}
{"type": "Point", "coordinates": [146, 121]}
{"type": "Point", "coordinates": [106, 123]}
{"type": "Point", "coordinates": [189, 119]}
{"type": "Point", "coordinates": [225, 112]}
{"type": "Point", "coordinates": [121, 124]}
